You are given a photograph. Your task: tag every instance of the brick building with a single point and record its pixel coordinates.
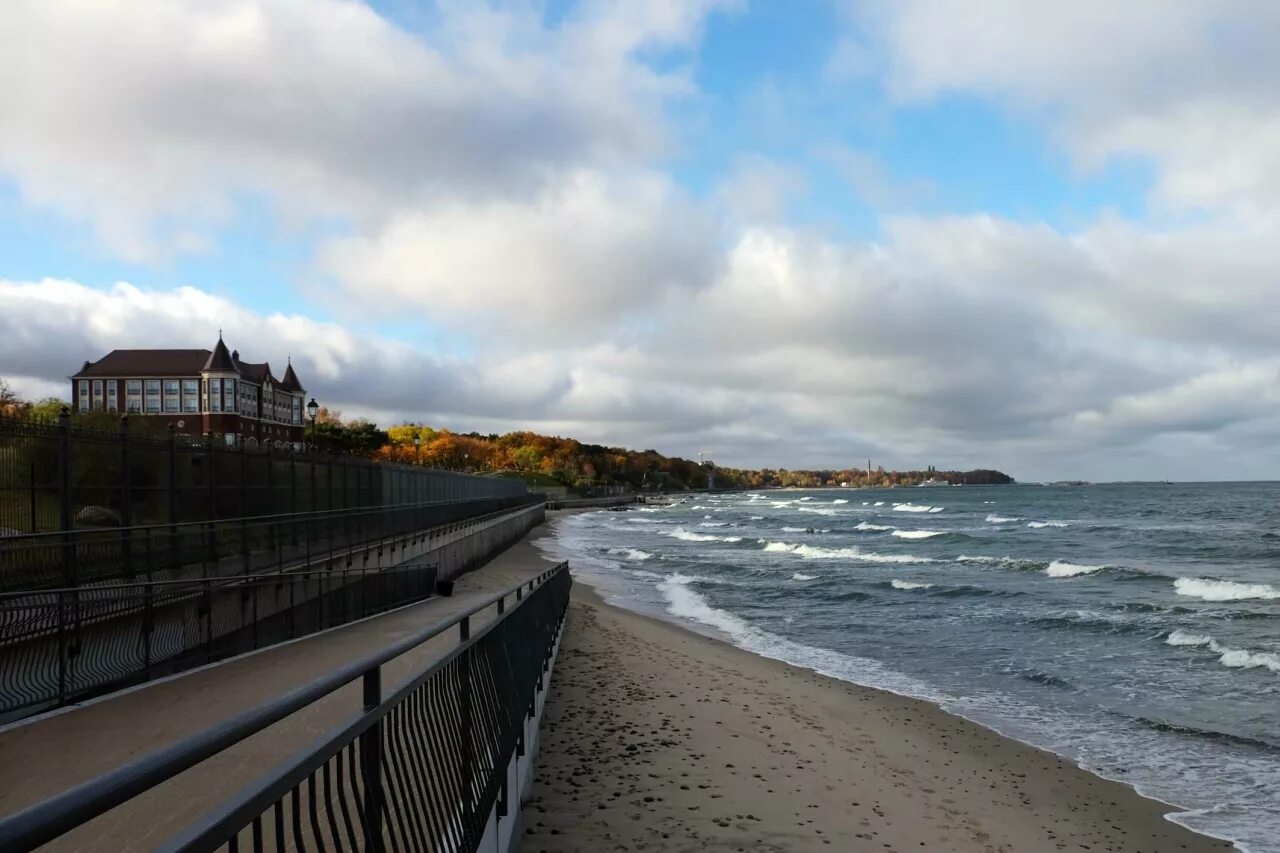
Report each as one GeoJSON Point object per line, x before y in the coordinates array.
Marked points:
{"type": "Point", "coordinates": [198, 391]}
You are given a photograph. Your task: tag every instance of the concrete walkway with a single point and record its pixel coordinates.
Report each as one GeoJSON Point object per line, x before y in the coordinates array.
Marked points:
{"type": "Point", "coordinates": [45, 755]}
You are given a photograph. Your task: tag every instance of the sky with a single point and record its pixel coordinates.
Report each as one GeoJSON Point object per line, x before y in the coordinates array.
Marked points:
{"type": "Point", "coordinates": [1039, 237]}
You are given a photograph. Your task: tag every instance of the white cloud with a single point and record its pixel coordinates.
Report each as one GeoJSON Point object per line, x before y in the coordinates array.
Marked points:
{"type": "Point", "coordinates": [1192, 86]}
{"type": "Point", "coordinates": [581, 258]}
{"type": "Point", "coordinates": [150, 119]}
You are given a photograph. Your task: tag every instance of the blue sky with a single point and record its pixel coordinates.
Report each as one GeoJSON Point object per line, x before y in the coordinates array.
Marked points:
{"type": "Point", "coordinates": [655, 223]}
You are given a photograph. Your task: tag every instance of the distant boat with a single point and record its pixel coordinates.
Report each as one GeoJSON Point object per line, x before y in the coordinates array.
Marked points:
{"type": "Point", "coordinates": [934, 481]}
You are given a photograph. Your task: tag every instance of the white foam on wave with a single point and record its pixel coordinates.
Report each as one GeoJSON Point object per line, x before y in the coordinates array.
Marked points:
{"type": "Point", "coordinates": [868, 526]}
{"type": "Point", "coordinates": [757, 518]}
{"type": "Point", "coordinates": [806, 498]}
{"type": "Point", "coordinates": [686, 603]}
{"type": "Point", "coordinates": [699, 506]}
{"type": "Point", "coordinates": [839, 501]}
{"type": "Point", "coordinates": [797, 529]}
{"type": "Point", "coordinates": [648, 521]}
{"type": "Point", "coordinates": [879, 503]}
{"type": "Point", "coordinates": [910, 507]}
{"type": "Point", "coordinates": [897, 584]}
{"type": "Point", "coordinates": [631, 554]}
{"type": "Point", "coordinates": [1212, 590]}
{"type": "Point", "coordinates": [816, 510]}
{"type": "Point", "coordinates": [1064, 569]}
{"type": "Point", "coordinates": [713, 523]}
{"type": "Point", "coordinates": [936, 508]}
{"type": "Point", "coordinates": [801, 576]}
{"type": "Point", "coordinates": [1041, 524]}
{"type": "Point", "coordinates": [1227, 656]}
{"type": "Point", "coordinates": [813, 552]}
{"type": "Point", "coordinates": [1002, 519]}
{"type": "Point", "coordinates": [782, 503]}
{"type": "Point", "coordinates": [688, 536]}
{"type": "Point", "coordinates": [918, 534]}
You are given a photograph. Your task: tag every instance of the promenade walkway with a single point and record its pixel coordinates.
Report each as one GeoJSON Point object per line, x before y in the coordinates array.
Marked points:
{"type": "Point", "coordinates": [46, 755]}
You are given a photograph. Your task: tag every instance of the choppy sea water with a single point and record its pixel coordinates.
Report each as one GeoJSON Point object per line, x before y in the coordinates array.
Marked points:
{"type": "Point", "coordinates": [1132, 628]}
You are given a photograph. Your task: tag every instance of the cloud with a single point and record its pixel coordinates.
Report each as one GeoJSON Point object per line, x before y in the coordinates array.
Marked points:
{"type": "Point", "coordinates": [1167, 82]}
{"type": "Point", "coordinates": [582, 258]}
{"type": "Point", "coordinates": [150, 120]}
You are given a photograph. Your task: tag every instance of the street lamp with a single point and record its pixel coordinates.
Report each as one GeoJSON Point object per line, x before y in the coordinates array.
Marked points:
{"type": "Point", "coordinates": [313, 409]}
{"type": "Point", "coordinates": [417, 447]}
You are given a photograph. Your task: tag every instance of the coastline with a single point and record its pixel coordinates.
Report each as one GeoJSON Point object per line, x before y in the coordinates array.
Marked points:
{"type": "Point", "coordinates": [655, 728]}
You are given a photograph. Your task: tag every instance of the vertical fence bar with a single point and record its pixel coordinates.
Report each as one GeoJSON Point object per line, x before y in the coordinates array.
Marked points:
{"type": "Point", "coordinates": [173, 497]}
{"type": "Point", "coordinates": [65, 519]}
{"type": "Point", "coordinates": [371, 763]}
{"type": "Point", "coordinates": [468, 748]}
{"type": "Point", "coordinates": [126, 501]}
{"type": "Point", "coordinates": [31, 481]}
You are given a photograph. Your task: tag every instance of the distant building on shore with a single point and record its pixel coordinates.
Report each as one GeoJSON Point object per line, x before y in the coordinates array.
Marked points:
{"type": "Point", "coordinates": [197, 391]}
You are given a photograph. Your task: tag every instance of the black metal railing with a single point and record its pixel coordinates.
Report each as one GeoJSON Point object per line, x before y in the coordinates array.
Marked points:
{"type": "Point", "coordinates": [56, 477]}
{"type": "Point", "coordinates": [67, 644]}
{"type": "Point", "coordinates": [236, 546]}
{"type": "Point", "coordinates": [64, 644]}
{"type": "Point", "coordinates": [418, 768]}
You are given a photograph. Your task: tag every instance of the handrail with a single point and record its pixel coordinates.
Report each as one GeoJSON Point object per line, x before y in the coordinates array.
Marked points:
{"type": "Point", "coordinates": [47, 820]}
{"type": "Point", "coordinates": [317, 515]}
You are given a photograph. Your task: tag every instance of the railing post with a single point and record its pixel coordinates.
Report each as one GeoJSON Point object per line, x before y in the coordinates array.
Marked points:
{"type": "Point", "coordinates": [126, 500]}
{"type": "Point", "coordinates": [468, 748]}
{"type": "Point", "coordinates": [371, 763]}
{"type": "Point", "coordinates": [31, 483]}
{"type": "Point", "coordinates": [173, 497]}
{"type": "Point", "coordinates": [244, 525]}
{"type": "Point", "coordinates": [212, 504]}
{"type": "Point", "coordinates": [65, 519]}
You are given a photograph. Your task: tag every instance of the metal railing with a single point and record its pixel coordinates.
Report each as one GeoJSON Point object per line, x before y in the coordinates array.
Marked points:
{"type": "Point", "coordinates": [251, 545]}
{"type": "Point", "coordinates": [418, 768]}
{"type": "Point", "coordinates": [56, 477]}
{"type": "Point", "coordinates": [65, 644]}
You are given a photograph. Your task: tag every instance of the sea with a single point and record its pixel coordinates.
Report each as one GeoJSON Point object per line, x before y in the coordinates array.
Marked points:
{"type": "Point", "coordinates": [1134, 629]}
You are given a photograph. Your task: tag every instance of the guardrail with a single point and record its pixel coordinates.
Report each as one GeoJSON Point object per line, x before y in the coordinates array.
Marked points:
{"type": "Point", "coordinates": [422, 767]}
{"type": "Point", "coordinates": [236, 546]}
{"type": "Point", "coordinates": [60, 645]}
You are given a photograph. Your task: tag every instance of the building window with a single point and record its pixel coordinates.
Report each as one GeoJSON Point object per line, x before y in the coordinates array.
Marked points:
{"type": "Point", "coordinates": [190, 404]}
{"type": "Point", "coordinates": [215, 395]}
{"type": "Point", "coordinates": [133, 387]}
{"type": "Point", "coordinates": [153, 405]}
{"type": "Point", "coordinates": [153, 386]}
{"type": "Point", "coordinates": [171, 386]}
{"type": "Point", "coordinates": [111, 406]}
{"type": "Point", "coordinates": [171, 404]}
{"type": "Point", "coordinates": [191, 386]}
{"type": "Point", "coordinates": [97, 389]}
{"type": "Point", "coordinates": [111, 388]}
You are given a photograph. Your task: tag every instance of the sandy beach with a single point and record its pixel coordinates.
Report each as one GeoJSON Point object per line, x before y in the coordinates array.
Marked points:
{"type": "Point", "coordinates": [658, 738]}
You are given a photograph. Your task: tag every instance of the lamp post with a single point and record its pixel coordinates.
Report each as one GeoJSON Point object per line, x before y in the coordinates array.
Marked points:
{"type": "Point", "coordinates": [417, 448]}
{"type": "Point", "coordinates": [466, 461]}
{"type": "Point", "coordinates": [313, 409]}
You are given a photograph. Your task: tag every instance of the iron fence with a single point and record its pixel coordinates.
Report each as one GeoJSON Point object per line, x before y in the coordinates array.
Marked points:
{"type": "Point", "coordinates": [419, 768]}
{"type": "Point", "coordinates": [220, 548]}
{"type": "Point", "coordinates": [56, 477]}
{"type": "Point", "coordinates": [64, 644]}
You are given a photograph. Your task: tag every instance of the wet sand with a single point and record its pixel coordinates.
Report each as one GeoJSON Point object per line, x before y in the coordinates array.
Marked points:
{"type": "Point", "coordinates": [657, 738]}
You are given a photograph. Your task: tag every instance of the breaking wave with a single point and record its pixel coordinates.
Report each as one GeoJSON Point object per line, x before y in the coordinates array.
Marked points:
{"type": "Point", "coordinates": [918, 534]}
{"type": "Point", "coordinates": [1227, 656]}
{"type": "Point", "coordinates": [876, 528]}
{"type": "Point", "coordinates": [839, 501]}
{"type": "Point", "coordinates": [681, 533]}
{"type": "Point", "coordinates": [1001, 519]}
{"type": "Point", "coordinates": [800, 576]}
{"type": "Point", "coordinates": [897, 584]}
{"type": "Point", "coordinates": [1039, 524]}
{"type": "Point", "coordinates": [1211, 590]}
{"type": "Point", "coordinates": [1064, 569]}
{"type": "Point", "coordinates": [631, 554]}
{"type": "Point", "coordinates": [910, 507]}
{"type": "Point", "coordinates": [812, 552]}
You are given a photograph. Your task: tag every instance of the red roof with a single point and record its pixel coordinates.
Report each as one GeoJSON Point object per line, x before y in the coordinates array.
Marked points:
{"type": "Point", "coordinates": [124, 363]}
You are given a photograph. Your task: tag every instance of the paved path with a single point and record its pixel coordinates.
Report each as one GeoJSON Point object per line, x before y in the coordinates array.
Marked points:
{"type": "Point", "coordinates": [46, 755]}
